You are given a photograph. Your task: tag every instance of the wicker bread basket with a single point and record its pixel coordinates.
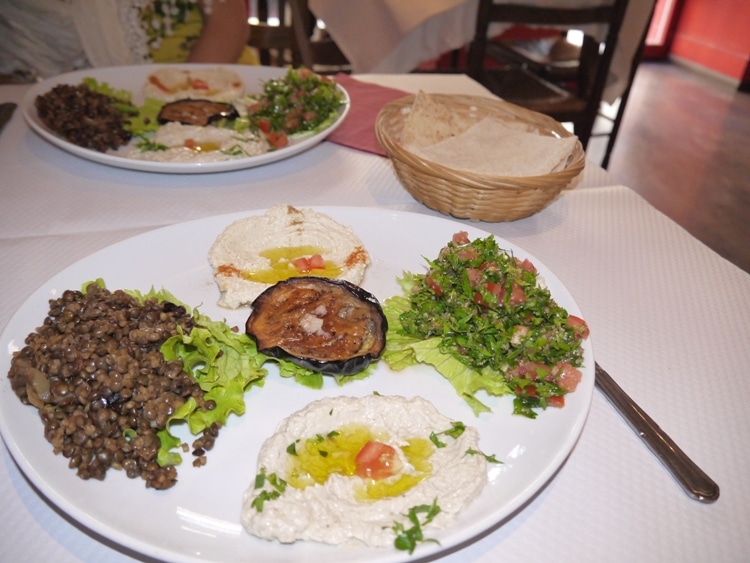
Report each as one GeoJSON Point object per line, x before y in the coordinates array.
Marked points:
{"type": "Point", "coordinates": [468, 195]}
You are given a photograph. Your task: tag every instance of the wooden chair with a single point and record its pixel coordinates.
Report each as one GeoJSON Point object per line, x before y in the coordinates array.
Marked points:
{"type": "Point", "coordinates": [296, 41]}
{"type": "Point", "coordinates": [617, 121]}
{"type": "Point", "coordinates": [318, 50]}
{"type": "Point", "coordinates": [276, 44]}
{"type": "Point", "coordinates": [552, 56]}
{"type": "Point", "coordinates": [576, 100]}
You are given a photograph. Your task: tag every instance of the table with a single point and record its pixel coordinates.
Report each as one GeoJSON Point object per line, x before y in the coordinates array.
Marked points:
{"type": "Point", "coordinates": [392, 36]}
{"type": "Point", "coordinates": [669, 320]}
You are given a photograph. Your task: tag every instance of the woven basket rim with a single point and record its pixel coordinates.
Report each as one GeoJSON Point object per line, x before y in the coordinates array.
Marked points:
{"type": "Point", "coordinates": [498, 108]}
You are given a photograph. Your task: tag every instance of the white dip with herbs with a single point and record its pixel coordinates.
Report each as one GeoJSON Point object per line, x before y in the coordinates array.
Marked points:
{"type": "Point", "coordinates": [175, 142]}
{"type": "Point", "coordinates": [346, 470]}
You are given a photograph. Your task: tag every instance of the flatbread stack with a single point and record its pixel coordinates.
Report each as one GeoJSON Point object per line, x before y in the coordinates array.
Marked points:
{"type": "Point", "coordinates": [482, 145]}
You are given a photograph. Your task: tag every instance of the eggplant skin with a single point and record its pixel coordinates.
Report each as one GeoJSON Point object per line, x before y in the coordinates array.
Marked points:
{"type": "Point", "coordinates": [325, 325]}
{"type": "Point", "coordinates": [196, 112]}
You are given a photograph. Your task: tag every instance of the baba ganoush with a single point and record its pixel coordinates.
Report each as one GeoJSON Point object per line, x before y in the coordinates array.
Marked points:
{"type": "Point", "coordinates": [347, 470]}
{"type": "Point", "coordinates": [176, 142]}
{"type": "Point", "coordinates": [257, 252]}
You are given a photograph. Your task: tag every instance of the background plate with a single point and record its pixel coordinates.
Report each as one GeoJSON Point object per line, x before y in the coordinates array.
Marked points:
{"type": "Point", "coordinates": [198, 519]}
{"type": "Point", "coordinates": [133, 78]}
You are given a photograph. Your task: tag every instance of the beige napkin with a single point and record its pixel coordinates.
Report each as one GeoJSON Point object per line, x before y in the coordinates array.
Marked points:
{"type": "Point", "coordinates": [358, 129]}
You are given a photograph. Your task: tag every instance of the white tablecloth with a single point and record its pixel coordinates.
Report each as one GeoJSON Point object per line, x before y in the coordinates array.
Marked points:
{"type": "Point", "coordinates": [392, 36]}
{"type": "Point", "coordinates": [670, 320]}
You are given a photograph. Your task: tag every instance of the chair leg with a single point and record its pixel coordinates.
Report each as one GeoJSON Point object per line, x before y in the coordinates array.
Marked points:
{"type": "Point", "coordinates": [614, 131]}
{"type": "Point", "coordinates": [582, 130]}
{"type": "Point", "coordinates": [637, 58]}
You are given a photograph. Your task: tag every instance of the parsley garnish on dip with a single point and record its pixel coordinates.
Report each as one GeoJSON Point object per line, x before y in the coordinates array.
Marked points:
{"type": "Point", "coordinates": [484, 320]}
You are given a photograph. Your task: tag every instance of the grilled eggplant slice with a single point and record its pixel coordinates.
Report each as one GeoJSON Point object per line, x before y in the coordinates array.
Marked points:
{"type": "Point", "coordinates": [330, 326]}
{"type": "Point", "coordinates": [196, 112]}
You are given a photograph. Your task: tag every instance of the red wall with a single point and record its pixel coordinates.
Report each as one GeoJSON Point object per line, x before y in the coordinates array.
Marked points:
{"type": "Point", "coordinates": [715, 34]}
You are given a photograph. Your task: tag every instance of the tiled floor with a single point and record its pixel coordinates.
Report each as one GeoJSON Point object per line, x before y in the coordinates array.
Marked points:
{"type": "Point", "coordinates": [684, 145]}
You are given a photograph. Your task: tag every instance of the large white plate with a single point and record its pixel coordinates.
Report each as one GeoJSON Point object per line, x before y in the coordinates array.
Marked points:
{"type": "Point", "coordinates": [133, 78]}
{"type": "Point", "coordinates": [198, 519]}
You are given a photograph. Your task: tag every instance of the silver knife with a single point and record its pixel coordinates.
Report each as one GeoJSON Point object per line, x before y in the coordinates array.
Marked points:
{"type": "Point", "coordinates": [690, 477]}
{"type": "Point", "coordinates": [6, 111]}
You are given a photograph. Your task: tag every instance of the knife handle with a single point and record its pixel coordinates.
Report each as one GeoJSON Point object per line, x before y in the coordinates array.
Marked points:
{"type": "Point", "coordinates": [691, 478]}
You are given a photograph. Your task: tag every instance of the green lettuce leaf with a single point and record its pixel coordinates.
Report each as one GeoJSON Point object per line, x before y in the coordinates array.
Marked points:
{"type": "Point", "coordinates": [403, 351]}
{"type": "Point", "coordinates": [224, 364]}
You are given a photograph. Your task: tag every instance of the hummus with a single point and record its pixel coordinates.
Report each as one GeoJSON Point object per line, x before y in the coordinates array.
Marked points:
{"type": "Point", "coordinates": [254, 253]}
{"type": "Point", "coordinates": [171, 83]}
{"type": "Point", "coordinates": [328, 496]}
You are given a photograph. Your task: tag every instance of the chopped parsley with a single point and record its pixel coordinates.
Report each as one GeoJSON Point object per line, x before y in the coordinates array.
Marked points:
{"type": "Point", "coordinates": [147, 145]}
{"type": "Point", "coordinates": [456, 429]}
{"type": "Point", "coordinates": [277, 484]}
{"type": "Point", "coordinates": [408, 538]}
{"type": "Point", "coordinates": [489, 458]}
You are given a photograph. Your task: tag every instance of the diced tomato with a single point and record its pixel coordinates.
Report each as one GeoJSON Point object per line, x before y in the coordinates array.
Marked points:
{"type": "Point", "coordinates": [190, 143]}
{"type": "Point", "coordinates": [377, 460]}
{"type": "Point", "coordinates": [309, 115]}
{"type": "Point", "coordinates": [317, 262]}
{"type": "Point", "coordinates": [301, 264]}
{"type": "Point", "coordinates": [567, 377]}
{"type": "Point", "coordinates": [461, 238]}
{"type": "Point", "coordinates": [291, 122]}
{"type": "Point", "coordinates": [526, 265]}
{"type": "Point", "coordinates": [474, 276]}
{"type": "Point", "coordinates": [579, 326]}
{"type": "Point", "coordinates": [433, 285]}
{"type": "Point", "coordinates": [277, 139]}
{"type": "Point", "coordinates": [199, 84]}
{"type": "Point", "coordinates": [468, 253]}
{"type": "Point", "coordinates": [517, 295]}
{"type": "Point", "coordinates": [305, 73]}
{"type": "Point", "coordinates": [497, 290]}
{"type": "Point", "coordinates": [304, 264]}
{"type": "Point", "coordinates": [557, 401]}
{"type": "Point", "coordinates": [264, 125]}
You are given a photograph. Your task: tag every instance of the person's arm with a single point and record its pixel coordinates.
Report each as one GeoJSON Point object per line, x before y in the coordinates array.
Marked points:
{"type": "Point", "coordinates": [224, 34]}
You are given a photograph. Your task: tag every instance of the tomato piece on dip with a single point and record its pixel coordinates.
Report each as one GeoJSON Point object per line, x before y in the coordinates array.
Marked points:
{"type": "Point", "coordinates": [377, 460]}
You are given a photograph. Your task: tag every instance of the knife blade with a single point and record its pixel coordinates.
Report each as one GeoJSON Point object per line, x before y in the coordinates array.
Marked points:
{"type": "Point", "coordinates": [691, 478]}
{"type": "Point", "coordinates": [6, 112]}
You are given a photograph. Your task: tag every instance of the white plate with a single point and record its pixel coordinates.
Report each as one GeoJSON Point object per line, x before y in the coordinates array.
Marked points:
{"type": "Point", "coordinates": [198, 519]}
{"type": "Point", "coordinates": [132, 78]}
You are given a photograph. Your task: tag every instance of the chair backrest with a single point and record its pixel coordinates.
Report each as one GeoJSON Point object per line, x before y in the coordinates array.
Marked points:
{"type": "Point", "coordinates": [319, 52]}
{"type": "Point", "coordinates": [276, 44]}
{"type": "Point", "coordinates": [595, 59]}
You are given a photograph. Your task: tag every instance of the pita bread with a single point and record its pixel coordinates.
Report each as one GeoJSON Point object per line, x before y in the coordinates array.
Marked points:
{"type": "Point", "coordinates": [430, 122]}
{"type": "Point", "coordinates": [491, 147]}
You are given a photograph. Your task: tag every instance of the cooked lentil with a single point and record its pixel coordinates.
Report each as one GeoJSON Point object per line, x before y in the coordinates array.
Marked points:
{"type": "Point", "coordinates": [83, 117]}
{"type": "Point", "coordinates": [102, 387]}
